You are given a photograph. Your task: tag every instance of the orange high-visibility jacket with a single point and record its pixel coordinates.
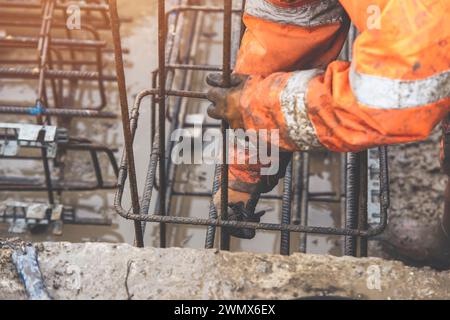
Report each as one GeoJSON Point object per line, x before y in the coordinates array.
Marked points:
{"type": "Point", "coordinates": [395, 90]}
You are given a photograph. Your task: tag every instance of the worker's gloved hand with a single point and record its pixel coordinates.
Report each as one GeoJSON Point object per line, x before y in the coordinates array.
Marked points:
{"type": "Point", "coordinates": [226, 101]}
{"type": "Point", "coordinates": [241, 208]}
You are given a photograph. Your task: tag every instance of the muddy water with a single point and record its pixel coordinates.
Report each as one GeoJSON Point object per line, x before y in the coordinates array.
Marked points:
{"type": "Point", "coordinates": [140, 37]}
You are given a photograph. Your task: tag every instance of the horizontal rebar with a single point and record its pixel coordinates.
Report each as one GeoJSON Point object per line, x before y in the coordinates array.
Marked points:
{"type": "Point", "coordinates": [195, 67]}
{"type": "Point", "coordinates": [38, 5]}
{"type": "Point", "coordinates": [57, 112]}
{"type": "Point", "coordinates": [372, 231]}
{"type": "Point", "coordinates": [33, 41]}
{"type": "Point", "coordinates": [32, 185]}
{"type": "Point", "coordinates": [29, 73]}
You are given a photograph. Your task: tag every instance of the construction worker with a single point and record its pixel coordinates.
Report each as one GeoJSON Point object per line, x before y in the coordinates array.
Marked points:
{"type": "Point", "coordinates": [395, 90]}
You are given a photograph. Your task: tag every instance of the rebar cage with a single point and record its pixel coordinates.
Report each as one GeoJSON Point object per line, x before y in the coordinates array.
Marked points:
{"type": "Point", "coordinates": [364, 173]}
{"type": "Point", "coordinates": [60, 62]}
{"type": "Point", "coordinates": [57, 73]}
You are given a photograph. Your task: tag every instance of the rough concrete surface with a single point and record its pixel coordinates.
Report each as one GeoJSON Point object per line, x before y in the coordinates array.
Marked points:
{"type": "Point", "coordinates": [10, 285]}
{"type": "Point", "coordinates": [109, 271]}
{"type": "Point", "coordinates": [417, 187]}
{"type": "Point", "coordinates": [416, 181]}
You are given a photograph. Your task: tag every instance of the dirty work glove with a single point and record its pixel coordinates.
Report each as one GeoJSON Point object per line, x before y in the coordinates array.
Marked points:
{"type": "Point", "coordinates": [226, 101]}
{"type": "Point", "coordinates": [241, 208]}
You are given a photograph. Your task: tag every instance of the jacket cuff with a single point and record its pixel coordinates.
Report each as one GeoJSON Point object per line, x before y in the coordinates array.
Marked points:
{"type": "Point", "coordinates": [293, 106]}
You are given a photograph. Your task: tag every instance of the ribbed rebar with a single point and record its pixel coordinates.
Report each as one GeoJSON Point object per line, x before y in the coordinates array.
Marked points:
{"type": "Point", "coordinates": [115, 25]}
{"type": "Point", "coordinates": [226, 78]}
{"type": "Point", "coordinates": [211, 231]}
{"type": "Point", "coordinates": [59, 112]}
{"type": "Point", "coordinates": [286, 211]}
{"type": "Point", "coordinates": [352, 203]}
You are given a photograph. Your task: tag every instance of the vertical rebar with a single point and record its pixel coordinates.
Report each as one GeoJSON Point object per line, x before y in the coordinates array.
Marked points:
{"type": "Point", "coordinates": [297, 168]}
{"type": "Point", "coordinates": [115, 27]}
{"type": "Point", "coordinates": [211, 231]}
{"type": "Point", "coordinates": [97, 168]}
{"type": "Point", "coordinates": [384, 178]}
{"type": "Point", "coordinates": [342, 188]}
{"type": "Point", "coordinates": [153, 108]}
{"type": "Point", "coordinates": [352, 200]}
{"type": "Point", "coordinates": [362, 214]}
{"type": "Point", "coordinates": [304, 201]}
{"type": "Point", "coordinates": [286, 211]}
{"type": "Point", "coordinates": [47, 173]}
{"type": "Point", "coordinates": [227, 21]}
{"type": "Point", "coordinates": [162, 115]}
{"type": "Point", "coordinates": [43, 52]}
{"type": "Point", "coordinates": [352, 172]}
{"type": "Point", "coordinates": [226, 78]}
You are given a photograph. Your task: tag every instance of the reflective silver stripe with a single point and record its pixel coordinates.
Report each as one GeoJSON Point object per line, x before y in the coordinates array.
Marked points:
{"type": "Point", "coordinates": [312, 14]}
{"type": "Point", "coordinates": [385, 93]}
{"type": "Point", "coordinates": [292, 100]}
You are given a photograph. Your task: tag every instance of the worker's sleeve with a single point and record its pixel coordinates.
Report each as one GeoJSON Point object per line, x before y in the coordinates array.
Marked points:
{"type": "Point", "coordinates": [288, 35]}
{"type": "Point", "coordinates": [396, 89]}
{"type": "Point", "coordinates": [282, 36]}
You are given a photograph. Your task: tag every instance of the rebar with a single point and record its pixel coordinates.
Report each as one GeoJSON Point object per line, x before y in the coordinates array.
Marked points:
{"type": "Point", "coordinates": [211, 231]}
{"type": "Point", "coordinates": [352, 200]}
{"type": "Point", "coordinates": [162, 30]}
{"type": "Point", "coordinates": [286, 211]}
{"type": "Point", "coordinates": [303, 210]}
{"type": "Point", "coordinates": [115, 23]}
{"type": "Point", "coordinates": [226, 78]}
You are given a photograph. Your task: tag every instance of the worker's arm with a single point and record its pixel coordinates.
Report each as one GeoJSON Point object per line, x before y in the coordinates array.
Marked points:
{"type": "Point", "coordinates": [281, 36]}
{"type": "Point", "coordinates": [396, 90]}
{"type": "Point", "coordinates": [289, 35]}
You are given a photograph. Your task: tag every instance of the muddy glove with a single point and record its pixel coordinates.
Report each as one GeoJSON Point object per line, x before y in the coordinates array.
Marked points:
{"type": "Point", "coordinates": [226, 101]}
{"type": "Point", "coordinates": [241, 208]}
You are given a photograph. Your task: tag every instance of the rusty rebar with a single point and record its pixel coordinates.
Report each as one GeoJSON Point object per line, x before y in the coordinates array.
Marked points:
{"type": "Point", "coordinates": [226, 82]}
{"type": "Point", "coordinates": [58, 112]}
{"type": "Point", "coordinates": [286, 211]}
{"type": "Point", "coordinates": [352, 200]}
{"type": "Point", "coordinates": [115, 26]}
{"type": "Point", "coordinates": [162, 31]}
